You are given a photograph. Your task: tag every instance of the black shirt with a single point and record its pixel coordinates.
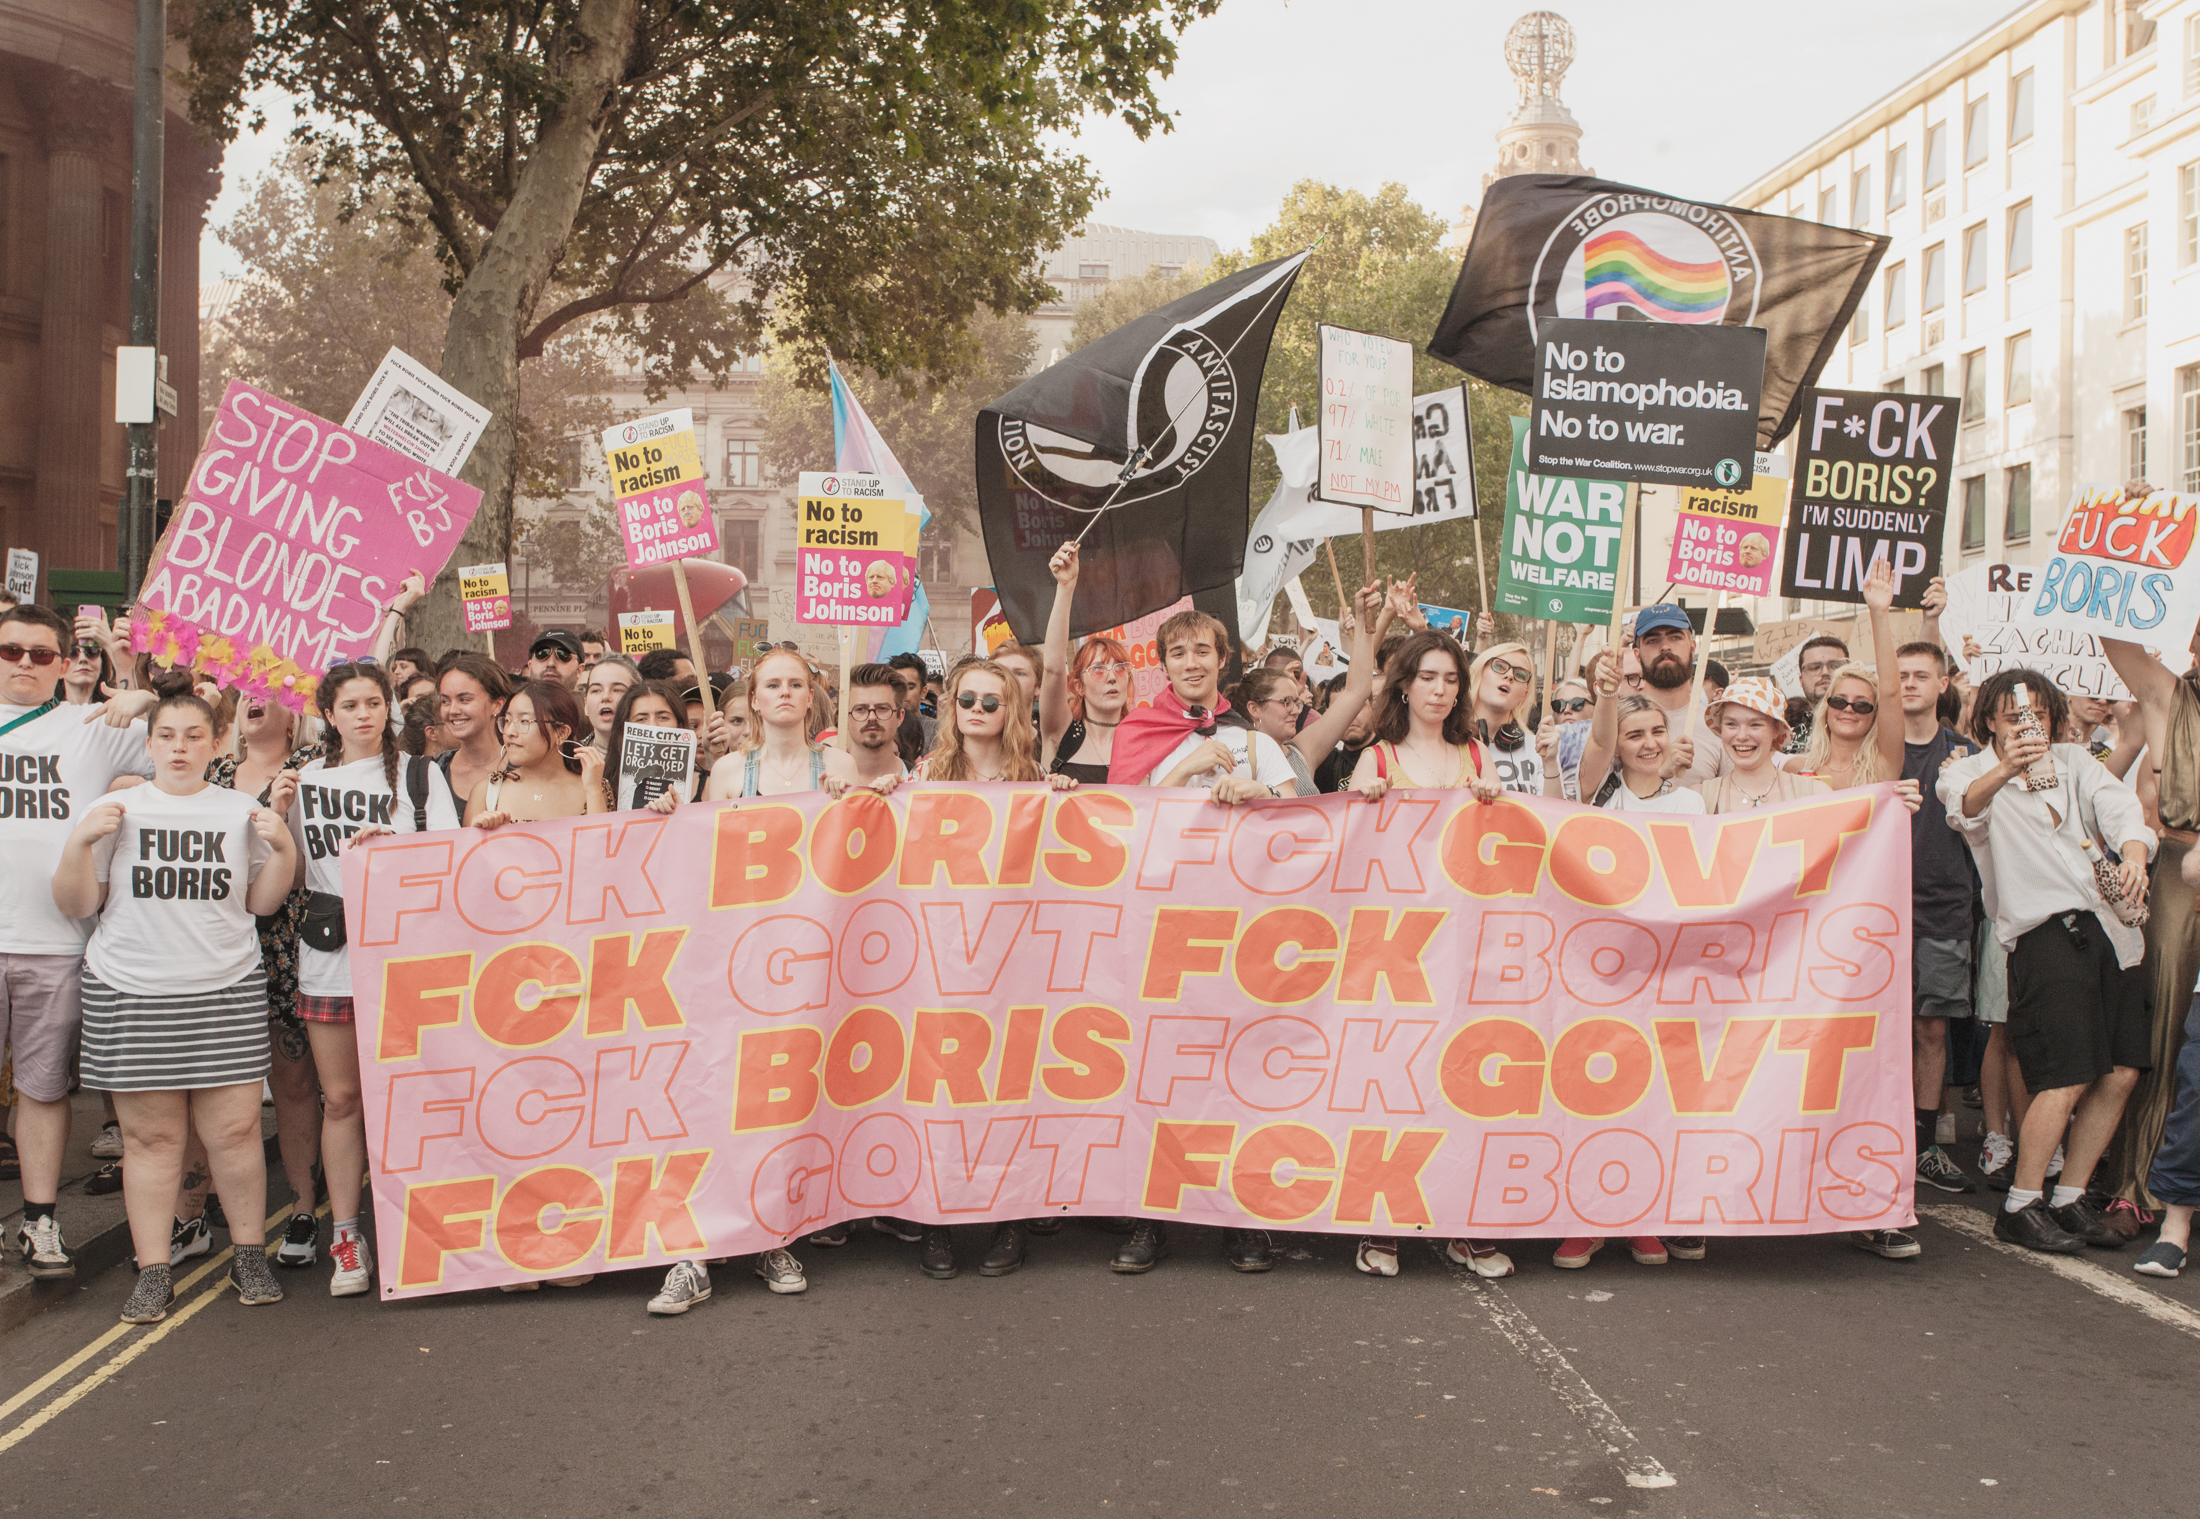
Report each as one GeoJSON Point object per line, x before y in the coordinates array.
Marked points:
{"type": "Point", "coordinates": [1942, 881]}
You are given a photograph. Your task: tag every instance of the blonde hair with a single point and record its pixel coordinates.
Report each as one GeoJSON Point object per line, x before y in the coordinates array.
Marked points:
{"type": "Point", "coordinates": [812, 726]}
{"type": "Point", "coordinates": [1012, 646]}
{"type": "Point", "coordinates": [1867, 769]}
{"type": "Point", "coordinates": [948, 761]}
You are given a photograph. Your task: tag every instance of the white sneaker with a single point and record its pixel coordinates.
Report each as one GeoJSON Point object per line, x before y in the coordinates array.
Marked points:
{"type": "Point", "coordinates": [46, 1254]}
{"type": "Point", "coordinates": [1482, 1260]}
{"type": "Point", "coordinates": [1377, 1257]}
{"type": "Point", "coordinates": [686, 1284]}
{"type": "Point", "coordinates": [109, 1144]}
{"type": "Point", "coordinates": [781, 1272]}
{"type": "Point", "coordinates": [354, 1260]}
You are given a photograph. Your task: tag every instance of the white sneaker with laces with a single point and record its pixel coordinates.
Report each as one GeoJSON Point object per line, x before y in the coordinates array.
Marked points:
{"type": "Point", "coordinates": [1944, 1129]}
{"type": "Point", "coordinates": [1997, 1152]}
{"type": "Point", "coordinates": [109, 1144]}
{"type": "Point", "coordinates": [45, 1254]}
{"type": "Point", "coordinates": [686, 1284]}
{"type": "Point", "coordinates": [354, 1260]}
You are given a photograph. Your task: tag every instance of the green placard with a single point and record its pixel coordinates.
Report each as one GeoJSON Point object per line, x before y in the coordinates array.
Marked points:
{"type": "Point", "coordinates": [69, 589]}
{"type": "Point", "coordinates": [1561, 552]}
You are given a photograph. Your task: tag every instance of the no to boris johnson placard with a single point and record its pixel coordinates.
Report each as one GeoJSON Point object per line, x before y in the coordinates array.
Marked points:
{"type": "Point", "coordinates": [663, 499]}
{"type": "Point", "coordinates": [611, 1042]}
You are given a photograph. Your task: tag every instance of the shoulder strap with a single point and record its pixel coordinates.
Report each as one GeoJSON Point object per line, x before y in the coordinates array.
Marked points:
{"type": "Point", "coordinates": [817, 767]}
{"type": "Point", "coordinates": [1382, 765]}
{"type": "Point", "coordinates": [416, 786]}
{"type": "Point", "coordinates": [749, 772]}
{"type": "Point", "coordinates": [31, 716]}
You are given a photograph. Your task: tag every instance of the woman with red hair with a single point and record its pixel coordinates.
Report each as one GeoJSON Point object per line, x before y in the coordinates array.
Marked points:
{"type": "Point", "coordinates": [1081, 700]}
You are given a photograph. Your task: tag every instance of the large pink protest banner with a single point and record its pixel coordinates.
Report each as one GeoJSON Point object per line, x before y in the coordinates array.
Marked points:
{"type": "Point", "coordinates": [292, 535]}
{"type": "Point", "coordinates": [615, 1041]}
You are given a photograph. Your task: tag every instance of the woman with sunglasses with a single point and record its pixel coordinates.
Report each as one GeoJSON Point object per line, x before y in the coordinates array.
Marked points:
{"type": "Point", "coordinates": [1843, 749]}
{"type": "Point", "coordinates": [1081, 700]}
{"type": "Point", "coordinates": [1563, 736]}
{"type": "Point", "coordinates": [1501, 689]}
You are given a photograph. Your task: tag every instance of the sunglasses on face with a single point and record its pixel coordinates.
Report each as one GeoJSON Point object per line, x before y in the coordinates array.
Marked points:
{"type": "Point", "coordinates": [772, 648]}
{"type": "Point", "coordinates": [1562, 705]}
{"type": "Point", "coordinates": [1858, 705]}
{"type": "Point", "coordinates": [968, 699]}
{"type": "Point", "coordinates": [556, 655]}
{"type": "Point", "coordinates": [15, 654]}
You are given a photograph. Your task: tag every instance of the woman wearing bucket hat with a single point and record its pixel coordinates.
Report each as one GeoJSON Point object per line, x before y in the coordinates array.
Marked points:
{"type": "Point", "coordinates": [1752, 723]}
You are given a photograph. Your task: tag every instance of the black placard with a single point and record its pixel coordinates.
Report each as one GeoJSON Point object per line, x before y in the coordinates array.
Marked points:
{"type": "Point", "coordinates": [1871, 482]}
{"type": "Point", "coordinates": [1660, 403]}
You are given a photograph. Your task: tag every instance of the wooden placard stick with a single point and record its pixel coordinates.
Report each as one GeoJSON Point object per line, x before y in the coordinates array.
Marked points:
{"type": "Point", "coordinates": [687, 619]}
{"type": "Point", "coordinates": [1629, 525]}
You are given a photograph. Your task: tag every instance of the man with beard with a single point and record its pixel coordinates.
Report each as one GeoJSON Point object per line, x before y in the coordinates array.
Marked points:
{"type": "Point", "coordinates": [874, 721]}
{"type": "Point", "coordinates": [555, 655]}
{"type": "Point", "coordinates": [1820, 657]}
{"type": "Point", "coordinates": [1666, 644]}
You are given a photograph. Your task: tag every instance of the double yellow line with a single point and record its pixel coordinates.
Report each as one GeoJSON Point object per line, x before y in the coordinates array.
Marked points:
{"type": "Point", "coordinates": [137, 1347]}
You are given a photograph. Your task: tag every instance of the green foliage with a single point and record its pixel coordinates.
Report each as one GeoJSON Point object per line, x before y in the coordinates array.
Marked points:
{"type": "Point", "coordinates": [927, 425]}
{"type": "Point", "coordinates": [575, 551]}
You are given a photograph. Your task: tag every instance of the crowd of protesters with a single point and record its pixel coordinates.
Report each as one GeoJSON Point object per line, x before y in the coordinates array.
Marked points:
{"type": "Point", "coordinates": [176, 932]}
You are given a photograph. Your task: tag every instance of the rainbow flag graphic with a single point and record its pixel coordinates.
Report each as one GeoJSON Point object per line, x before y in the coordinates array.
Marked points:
{"type": "Point", "coordinates": [1620, 269]}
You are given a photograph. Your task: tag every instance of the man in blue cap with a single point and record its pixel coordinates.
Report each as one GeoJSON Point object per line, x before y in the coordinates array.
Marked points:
{"type": "Point", "coordinates": [1666, 645]}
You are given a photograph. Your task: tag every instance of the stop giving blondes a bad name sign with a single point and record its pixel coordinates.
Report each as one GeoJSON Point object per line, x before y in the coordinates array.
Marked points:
{"type": "Point", "coordinates": [614, 1041]}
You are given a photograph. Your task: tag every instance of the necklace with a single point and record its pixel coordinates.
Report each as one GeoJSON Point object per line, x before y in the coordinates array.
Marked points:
{"type": "Point", "coordinates": [1734, 784]}
{"type": "Point", "coordinates": [1094, 722]}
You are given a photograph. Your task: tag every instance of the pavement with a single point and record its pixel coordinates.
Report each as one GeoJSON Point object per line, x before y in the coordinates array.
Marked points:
{"type": "Point", "coordinates": [1790, 1376]}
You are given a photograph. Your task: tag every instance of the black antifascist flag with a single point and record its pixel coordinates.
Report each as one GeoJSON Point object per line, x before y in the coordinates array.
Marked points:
{"type": "Point", "coordinates": [1179, 389]}
{"type": "Point", "coordinates": [1565, 245]}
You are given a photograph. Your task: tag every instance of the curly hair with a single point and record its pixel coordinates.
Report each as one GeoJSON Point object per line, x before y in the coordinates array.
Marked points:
{"type": "Point", "coordinates": [949, 761]}
{"type": "Point", "coordinates": [2050, 704]}
{"type": "Point", "coordinates": [324, 702]}
{"type": "Point", "coordinates": [1394, 723]}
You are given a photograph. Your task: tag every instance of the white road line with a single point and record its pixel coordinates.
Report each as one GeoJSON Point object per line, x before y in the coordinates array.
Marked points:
{"type": "Point", "coordinates": [1636, 1464]}
{"type": "Point", "coordinates": [2073, 1268]}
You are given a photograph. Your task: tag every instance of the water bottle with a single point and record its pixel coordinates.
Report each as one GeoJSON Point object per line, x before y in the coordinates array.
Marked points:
{"type": "Point", "coordinates": [2040, 776]}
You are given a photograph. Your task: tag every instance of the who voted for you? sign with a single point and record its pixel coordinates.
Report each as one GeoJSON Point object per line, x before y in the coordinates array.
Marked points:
{"type": "Point", "coordinates": [1648, 402]}
{"type": "Point", "coordinates": [1367, 421]}
{"type": "Point", "coordinates": [1871, 482]}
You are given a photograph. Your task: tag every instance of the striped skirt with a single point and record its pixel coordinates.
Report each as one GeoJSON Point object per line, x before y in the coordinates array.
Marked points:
{"type": "Point", "coordinates": [171, 1044]}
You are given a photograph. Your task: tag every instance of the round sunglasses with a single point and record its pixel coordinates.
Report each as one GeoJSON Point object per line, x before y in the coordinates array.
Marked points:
{"type": "Point", "coordinates": [968, 699]}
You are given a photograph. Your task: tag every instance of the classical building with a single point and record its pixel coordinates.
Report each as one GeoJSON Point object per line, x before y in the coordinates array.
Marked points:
{"type": "Point", "coordinates": [1098, 256]}
{"type": "Point", "coordinates": [1542, 137]}
{"type": "Point", "coordinates": [2041, 184]}
{"type": "Point", "coordinates": [65, 70]}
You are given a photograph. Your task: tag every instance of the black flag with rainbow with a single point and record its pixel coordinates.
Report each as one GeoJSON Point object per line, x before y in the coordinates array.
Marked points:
{"type": "Point", "coordinates": [1566, 245]}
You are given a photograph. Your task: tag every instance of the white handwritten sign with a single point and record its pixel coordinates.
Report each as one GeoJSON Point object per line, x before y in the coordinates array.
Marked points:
{"type": "Point", "coordinates": [1366, 421]}
{"type": "Point", "coordinates": [1983, 603]}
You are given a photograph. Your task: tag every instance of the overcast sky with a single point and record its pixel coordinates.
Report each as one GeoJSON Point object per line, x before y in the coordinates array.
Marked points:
{"type": "Point", "coordinates": [1697, 99]}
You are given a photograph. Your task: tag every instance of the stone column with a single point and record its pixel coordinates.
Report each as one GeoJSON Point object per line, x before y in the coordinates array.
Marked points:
{"type": "Point", "coordinates": [191, 179]}
{"type": "Point", "coordinates": [76, 119]}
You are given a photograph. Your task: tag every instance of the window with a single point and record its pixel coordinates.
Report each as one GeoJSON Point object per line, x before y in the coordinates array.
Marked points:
{"type": "Point", "coordinates": [1898, 297]}
{"type": "Point", "coordinates": [2192, 55]}
{"type": "Point", "coordinates": [1860, 197]}
{"type": "Point", "coordinates": [570, 454]}
{"type": "Point", "coordinates": [2142, 114]}
{"type": "Point", "coordinates": [1829, 206]}
{"type": "Point", "coordinates": [1974, 133]}
{"type": "Point", "coordinates": [936, 560]}
{"type": "Point", "coordinates": [2017, 378]}
{"type": "Point", "coordinates": [744, 539]}
{"type": "Point", "coordinates": [744, 463]}
{"type": "Point", "coordinates": [1974, 513]}
{"type": "Point", "coordinates": [2135, 273]}
{"type": "Point", "coordinates": [2020, 239]}
{"type": "Point", "coordinates": [1934, 381]}
{"type": "Point", "coordinates": [2188, 427]}
{"type": "Point", "coordinates": [1861, 328]}
{"type": "Point", "coordinates": [2138, 30]}
{"type": "Point", "coordinates": [1092, 271]}
{"type": "Point", "coordinates": [2135, 443]}
{"type": "Point", "coordinates": [2016, 490]}
{"type": "Point", "coordinates": [1936, 155]}
{"type": "Point", "coordinates": [2188, 215]}
{"type": "Point", "coordinates": [1894, 387]}
{"type": "Point", "coordinates": [1974, 386]}
{"type": "Point", "coordinates": [2020, 108]}
{"type": "Point", "coordinates": [1898, 178]}
{"type": "Point", "coordinates": [1934, 291]}
{"type": "Point", "coordinates": [1974, 259]}
{"type": "Point", "coordinates": [1168, 271]}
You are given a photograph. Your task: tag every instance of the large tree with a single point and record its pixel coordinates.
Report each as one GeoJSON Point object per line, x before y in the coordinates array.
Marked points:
{"type": "Point", "coordinates": [885, 163]}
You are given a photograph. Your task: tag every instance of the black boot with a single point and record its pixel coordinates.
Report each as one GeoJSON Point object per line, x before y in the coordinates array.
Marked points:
{"type": "Point", "coordinates": [1144, 1250]}
{"type": "Point", "coordinates": [1006, 1252]}
{"type": "Point", "coordinates": [1249, 1249]}
{"type": "Point", "coordinates": [937, 1252]}
{"type": "Point", "coordinates": [1049, 1224]}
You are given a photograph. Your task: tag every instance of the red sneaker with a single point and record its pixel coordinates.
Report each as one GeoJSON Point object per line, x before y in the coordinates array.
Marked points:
{"type": "Point", "coordinates": [1574, 1253]}
{"type": "Point", "coordinates": [1647, 1249]}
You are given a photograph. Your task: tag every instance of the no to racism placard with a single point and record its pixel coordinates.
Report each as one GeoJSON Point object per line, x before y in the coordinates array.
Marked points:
{"type": "Point", "coordinates": [1651, 402]}
{"type": "Point", "coordinates": [486, 591]}
{"type": "Point", "coordinates": [1729, 540]}
{"type": "Point", "coordinates": [612, 1042]}
{"type": "Point", "coordinates": [292, 535]}
{"type": "Point", "coordinates": [644, 631]}
{"type": "Point", "coordinates": [1560, 555]}
{"type": "Point", "coordinates": [661, 495]}
{"type": "Point", "coordinates": [855, 550]}
{"type": "Point", "coordinates": [1366, 421]}
{"type": "Point", "coordinates": [1871, 482]}
{"type": "Point", "coordinates": [2123, 567]}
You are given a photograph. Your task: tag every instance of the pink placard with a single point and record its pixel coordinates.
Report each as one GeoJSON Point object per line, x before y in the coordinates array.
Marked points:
{"type": "Point", "coordinates": [292, 535]}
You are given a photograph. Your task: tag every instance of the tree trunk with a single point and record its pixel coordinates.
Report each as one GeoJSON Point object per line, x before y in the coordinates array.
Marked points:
{"type": "Point", "coordinates": [497, 303]}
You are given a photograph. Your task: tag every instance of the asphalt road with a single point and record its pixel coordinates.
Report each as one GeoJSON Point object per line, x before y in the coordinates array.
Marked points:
{"type": "Point", "coordinates": [1788, 1376]}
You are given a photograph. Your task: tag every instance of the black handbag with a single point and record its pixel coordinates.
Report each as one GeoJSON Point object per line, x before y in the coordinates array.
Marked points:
{"type": "Point", "coordinates": [323, 928]}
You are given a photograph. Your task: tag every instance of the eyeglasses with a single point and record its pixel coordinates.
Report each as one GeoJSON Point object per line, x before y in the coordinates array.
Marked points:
{"type": "Point", "coordinates": [865, 714]}
{"type": "Point", "coordinates": [15, 654]}
{"type": "Point", "coordinates": [1114, 667]}
{"type": "Point", "coordinates": [1515, 671]}
{"type": "Point", "coordinates": [1822, 666]}
{"type": "Point", "coordinates": [968, 699]}
{"type": "Point", "coordinates": [1859, 706]}
{"type": "Point", "coordinates": [1561, 705]}
{"type": "Point", "coordinates": [1633, 682]}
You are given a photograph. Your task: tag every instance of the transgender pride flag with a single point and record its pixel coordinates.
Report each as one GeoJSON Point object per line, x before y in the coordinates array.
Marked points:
{"type": "Point", "coordinates": [859, 450]}
{"type": "Point", "coordinates": [1619, 269]}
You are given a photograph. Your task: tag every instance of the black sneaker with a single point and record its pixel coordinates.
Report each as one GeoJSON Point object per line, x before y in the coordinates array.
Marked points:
{"type": "Point", "coordinates": [2087, 1223]}
{"type": "Point", "coordinates": [1147, 1248]}
{"type": "Point", "coordinates": [900, 1228]}
{"type": "Point", "coordinates": [104, 1181]}
{"type": "Point", "coordinates": [2034, 1227]}
{"type": "Point", "coordinates": [831, 1238]}
{"type": "Point", "coordinates": [1935, 1169]}
{"type": "Point", "coordinates": [1006, 1252]}
{"type": "Point", "coordinates": [936, 1254]}
{"type": "Point", "coordinates": [148, 1301]}
{"type": "Point", "coordinates": [1249, 1249]}
{"type": "Point", "coordinates": [301, 1244]}
{"type": "Point", "coordinates": [1050, 1223]}
{"type": "Point", "coordinates": [214, 1216]}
